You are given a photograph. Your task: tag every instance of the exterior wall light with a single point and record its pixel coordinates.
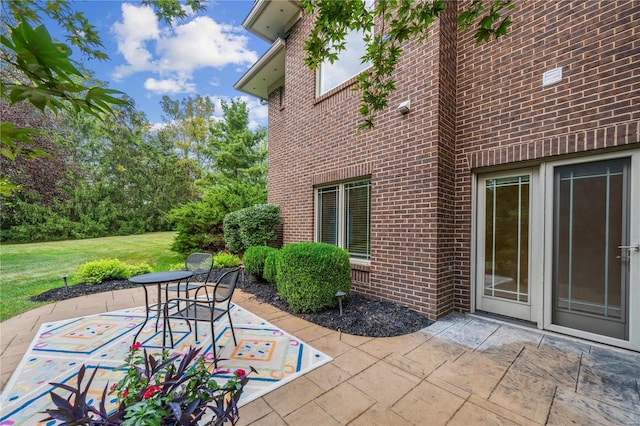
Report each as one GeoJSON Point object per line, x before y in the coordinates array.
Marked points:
{"type": "Point", "coordinates": [404, 107]}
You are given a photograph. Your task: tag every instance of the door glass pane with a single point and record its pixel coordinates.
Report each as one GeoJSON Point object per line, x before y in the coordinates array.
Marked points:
{"type": "Point", "coordinates": [328, 215]}
{"type": "Point", "coordinates": [506, 250]}
{"type": "Point", "coordinates": [589, 227]}
{"type": "Point", "coordinates": [358, 215]}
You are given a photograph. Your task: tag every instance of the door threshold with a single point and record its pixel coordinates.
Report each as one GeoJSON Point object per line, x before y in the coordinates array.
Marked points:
{"type": "Point", "coordinates": [507, 319]}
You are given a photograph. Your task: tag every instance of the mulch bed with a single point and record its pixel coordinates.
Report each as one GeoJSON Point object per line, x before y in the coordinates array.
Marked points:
{"type": "Point", "coordinates": [361, 315]}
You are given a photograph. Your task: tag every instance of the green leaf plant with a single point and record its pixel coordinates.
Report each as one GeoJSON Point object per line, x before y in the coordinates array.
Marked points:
{"type": "Point", "coordinates": [50, 81]}
{"type": "Point", "coordinates": [165, 390]}
{"type": "Point", "coordinates": [386, 25]}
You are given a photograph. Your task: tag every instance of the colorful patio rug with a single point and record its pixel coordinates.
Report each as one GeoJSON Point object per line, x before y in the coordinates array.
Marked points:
{"type": "Point", "coordinates": [102, 341]}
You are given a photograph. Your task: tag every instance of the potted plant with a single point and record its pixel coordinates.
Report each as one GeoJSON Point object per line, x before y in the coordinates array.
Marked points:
{"type": "Point", "coordinates": [163, 390]}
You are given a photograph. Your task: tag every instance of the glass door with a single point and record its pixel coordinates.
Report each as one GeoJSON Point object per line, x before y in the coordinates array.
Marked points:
{"type": "Point", "coordinates": [504, 245]}
{"type": "Point", "coordinates": [592, 248]}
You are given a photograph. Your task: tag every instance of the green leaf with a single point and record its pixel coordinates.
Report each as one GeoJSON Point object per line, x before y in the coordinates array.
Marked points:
{"type": "Point", "coordinates": [36, 97]}
{"type": "Point", "coordinates": [504, 26]}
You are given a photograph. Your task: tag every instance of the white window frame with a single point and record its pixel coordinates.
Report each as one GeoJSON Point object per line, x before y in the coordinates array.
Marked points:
{"type": "Point", "coordinates": [341, 210]}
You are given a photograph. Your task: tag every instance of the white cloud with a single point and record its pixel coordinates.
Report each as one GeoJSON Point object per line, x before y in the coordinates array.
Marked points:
{"type": "Point", "coordinates": [169, 86]}
{"type": "Point", "coordinates": [174, 53]}
{"type": "Point", "coordinates": [156, 127]}
{"type": "Point", "coordinates": [139, 25]}
{"type": "Point", "coordinates": [203, 42]}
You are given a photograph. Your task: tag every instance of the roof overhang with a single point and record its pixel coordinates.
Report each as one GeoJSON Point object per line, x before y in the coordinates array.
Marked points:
{"type": "Point", "coordinates": [271, 20]}
{"type": "Point", "coordinates": [267, 74]}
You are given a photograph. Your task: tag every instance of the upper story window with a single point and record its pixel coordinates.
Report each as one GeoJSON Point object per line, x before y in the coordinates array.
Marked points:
{"type": "Point", "coordinates": [349, 62]}
{"type": "Point", "coordinates": [343, 217]}
{"type": "Point", "coordinates": [348, 65]}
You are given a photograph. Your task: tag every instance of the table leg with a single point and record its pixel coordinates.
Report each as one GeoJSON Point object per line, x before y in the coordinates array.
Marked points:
{"type": "Point", "coordinates": [158, 306]}
{"type": "Point", "coordinates": [146, 311]}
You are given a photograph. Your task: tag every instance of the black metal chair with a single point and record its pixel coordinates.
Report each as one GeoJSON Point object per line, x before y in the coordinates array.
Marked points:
{"type": "Point", "coordinates": [209, 307]}
{"type": "Point", "coordinates": [198, 263]}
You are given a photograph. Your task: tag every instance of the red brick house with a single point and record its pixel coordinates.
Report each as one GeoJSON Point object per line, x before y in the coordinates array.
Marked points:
{"type": "Point", "coordinates": [504, 177]}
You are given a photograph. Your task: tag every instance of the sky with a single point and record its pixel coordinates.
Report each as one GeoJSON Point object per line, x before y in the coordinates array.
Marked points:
{"type": "Point", "coordinates": [204, 54]}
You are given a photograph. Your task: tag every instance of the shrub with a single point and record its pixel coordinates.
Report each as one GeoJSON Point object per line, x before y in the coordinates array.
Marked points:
{"type": "Point", "coordinates": [139, 269]}
{"type": "Point", "coordinates": [310, 274]}
{"type": "Point", "coordinates": [252, 226]}
{"type": "Point", "coordinates": [258, 225]}
{"type": "Point", "coordinates": [231, 229]}
{"type": "Point", "coordinates": [254, 259]}
{"type": "Point", "coordinates": [98, 271]}
{"type": "Point", "coordinates": [225, 260]}
{"type": "Point", "coordinates": [177, 266]}
{"type": "Point", "coordinates": [270, 266]}
{"type": "Point", "coordinates": [199, 225]}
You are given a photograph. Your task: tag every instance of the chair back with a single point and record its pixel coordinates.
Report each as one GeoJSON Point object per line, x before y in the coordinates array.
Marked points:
{"type": "Point", "coordinates": [199, 263]}
{"type": "Point", "coordinates": [226, 284]}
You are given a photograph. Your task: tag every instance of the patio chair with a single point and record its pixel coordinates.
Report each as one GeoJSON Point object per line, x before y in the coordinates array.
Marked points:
{"type": "Point", "coordinates": [215, 303]}
{"type": "Point", "coordinates": [199, 264]}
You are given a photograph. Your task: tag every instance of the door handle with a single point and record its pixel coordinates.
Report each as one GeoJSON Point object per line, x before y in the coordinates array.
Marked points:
{"type": "Point", "coordinates": [632, 247]}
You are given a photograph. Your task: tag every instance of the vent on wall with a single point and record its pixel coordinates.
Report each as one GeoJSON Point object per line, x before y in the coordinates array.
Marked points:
{"type": "Point", "coordinates": [552, 77]}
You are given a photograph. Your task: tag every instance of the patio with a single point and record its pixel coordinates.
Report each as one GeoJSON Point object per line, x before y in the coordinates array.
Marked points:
{"type": "Point", "coordinates": [461, 370]}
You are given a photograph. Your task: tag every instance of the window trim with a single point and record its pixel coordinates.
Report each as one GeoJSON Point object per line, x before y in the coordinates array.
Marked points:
{"type": "Point", "coordinates": [341, 213]}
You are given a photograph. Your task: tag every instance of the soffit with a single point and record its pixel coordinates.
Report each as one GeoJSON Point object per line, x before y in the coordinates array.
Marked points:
{"type": "Point", "coordinates": [267, 74]}
{"type": "Point", "coordinates": [271, 20]}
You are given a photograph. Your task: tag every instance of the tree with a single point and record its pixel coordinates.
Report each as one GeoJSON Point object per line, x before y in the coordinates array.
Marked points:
{"type": "Point", "coordinates": [189, 121]}
{"type": "Point", "coordinates": [137, 171]}
{"type": "Point", "coordinates": [44, 74]}
{"type": "Point", "coordinates": [237, 180]}
{"type": "Point", "coordinates": [395, 22]}
{"type": "Point", "coordinates": [237, 153]}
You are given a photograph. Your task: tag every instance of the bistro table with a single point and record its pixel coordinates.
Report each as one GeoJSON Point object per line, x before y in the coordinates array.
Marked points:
{"type": "Point", "coordinates": [157, 278]}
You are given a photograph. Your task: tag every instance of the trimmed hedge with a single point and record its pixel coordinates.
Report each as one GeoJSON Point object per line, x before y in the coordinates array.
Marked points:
{"type": "Point", "coordinates": [270, 269]}
{"type": "Point", "coordinates": [252, 226]}
{"type": "Point", "coordinates": [310, 274]}
{"type": "Point", "coordinates": [254, 259]}
{"type": "Point", "coordinates": [231, 230]}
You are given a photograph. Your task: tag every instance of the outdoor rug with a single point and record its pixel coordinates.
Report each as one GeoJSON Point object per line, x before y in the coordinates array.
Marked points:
{"type": "Point", "coordinates": [102, 342]}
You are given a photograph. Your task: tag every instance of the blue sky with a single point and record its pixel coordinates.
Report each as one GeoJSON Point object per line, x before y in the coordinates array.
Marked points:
{"type": "Point", "coordinates": [203, 54]}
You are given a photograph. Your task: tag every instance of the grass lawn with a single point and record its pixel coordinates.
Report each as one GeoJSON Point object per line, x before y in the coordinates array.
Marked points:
{"type": "Point", "coordinates": [30, 269]}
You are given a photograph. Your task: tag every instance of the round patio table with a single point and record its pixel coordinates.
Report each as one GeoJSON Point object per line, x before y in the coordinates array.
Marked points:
{"type": "Point", "coordinates": [159, 279]}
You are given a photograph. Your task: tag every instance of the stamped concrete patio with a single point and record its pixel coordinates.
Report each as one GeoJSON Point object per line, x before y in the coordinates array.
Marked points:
{"type": "Point", "coordinates": [461, 370]}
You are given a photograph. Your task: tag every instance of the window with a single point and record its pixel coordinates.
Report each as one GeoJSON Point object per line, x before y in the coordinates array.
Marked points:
{"type": "Point", "coordinates": [348, 65]}
{"type": "Point", "coordinates": [343, 217]}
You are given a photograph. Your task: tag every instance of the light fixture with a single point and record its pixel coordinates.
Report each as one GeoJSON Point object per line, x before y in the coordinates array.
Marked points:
{"type": "Point", "coordinates": [340, 295]}
{"type": "Point", "coordinates": [404, 107]}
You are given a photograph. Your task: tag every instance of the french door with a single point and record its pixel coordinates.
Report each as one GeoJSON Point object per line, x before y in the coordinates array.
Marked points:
{"type": "Point", "coordinates": [559, 245]}
{"type": "Point", "coordinates": [592, 247]}
{"type": "Point", "coordinates": [505, 222]}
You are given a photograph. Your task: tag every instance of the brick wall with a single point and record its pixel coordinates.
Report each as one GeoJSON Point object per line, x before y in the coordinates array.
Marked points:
{"type": "Point", "coordinates": [505, 116]}
{"type": "Point", "coordinates": [472, 106]}
{"type": "Point", "coordinates": [314, 140]}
